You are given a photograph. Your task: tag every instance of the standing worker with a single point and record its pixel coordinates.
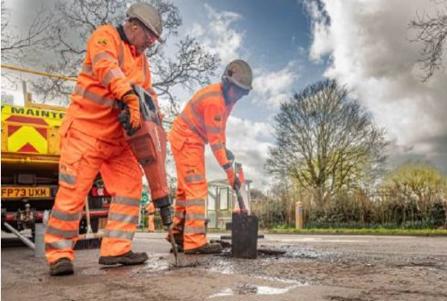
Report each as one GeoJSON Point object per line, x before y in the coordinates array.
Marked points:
{"type": "Point", "coordinates": [203, 121]}
{"type": "Point", "coordinates": [150, 209]}
{"type": "Point", "coordinates": [92, 140]}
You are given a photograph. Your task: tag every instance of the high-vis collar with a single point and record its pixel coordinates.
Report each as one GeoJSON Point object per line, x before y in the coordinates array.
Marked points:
{"type": "Point", "coordinates": [124, 38]}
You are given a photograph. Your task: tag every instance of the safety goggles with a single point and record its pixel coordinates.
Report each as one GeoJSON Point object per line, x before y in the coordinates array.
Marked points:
{"type": "Point", "coordinates": [150, 36]}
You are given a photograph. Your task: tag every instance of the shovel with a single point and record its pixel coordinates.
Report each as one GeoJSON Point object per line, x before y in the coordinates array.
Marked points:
{"type": "Point", "coordinates": [244, 231]}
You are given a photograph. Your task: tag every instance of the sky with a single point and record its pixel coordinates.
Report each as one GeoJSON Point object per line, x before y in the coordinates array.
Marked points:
{"type": "Point", "coordinates": [366, 46]}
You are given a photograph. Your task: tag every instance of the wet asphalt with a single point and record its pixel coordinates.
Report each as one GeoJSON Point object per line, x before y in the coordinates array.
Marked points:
{"type": "Point", "coordinates": [288, 267]}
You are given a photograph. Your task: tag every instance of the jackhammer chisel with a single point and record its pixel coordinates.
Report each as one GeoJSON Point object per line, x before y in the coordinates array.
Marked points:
{"type": "Point", "coordinates": [148, 143]}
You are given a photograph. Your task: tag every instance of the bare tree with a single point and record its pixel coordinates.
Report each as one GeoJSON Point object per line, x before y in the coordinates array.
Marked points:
{"type": "Point", "coordinates": [432, 32]}
{"type": "Point", "coordinates": [14, 44]}
{"type": "Point", "coordinates": [74, 21]}
{"type": "Point", "coordinates": [325, 142]}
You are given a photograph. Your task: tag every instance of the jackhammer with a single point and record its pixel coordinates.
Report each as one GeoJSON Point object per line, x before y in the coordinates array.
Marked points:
{"type": "Point", "coordinates": [148, 144]}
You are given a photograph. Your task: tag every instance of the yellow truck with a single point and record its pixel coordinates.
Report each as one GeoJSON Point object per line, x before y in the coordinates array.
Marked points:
{"type": "Point", "coordinates": [29, 166]}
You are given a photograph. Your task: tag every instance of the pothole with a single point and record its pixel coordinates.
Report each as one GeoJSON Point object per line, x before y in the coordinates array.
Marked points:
{"type": "Point", "coordinates": [253, 289]}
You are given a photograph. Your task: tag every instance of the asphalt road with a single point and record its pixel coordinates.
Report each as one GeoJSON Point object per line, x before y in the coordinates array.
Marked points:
{"type": "Point", "coordinates": [289, 267]}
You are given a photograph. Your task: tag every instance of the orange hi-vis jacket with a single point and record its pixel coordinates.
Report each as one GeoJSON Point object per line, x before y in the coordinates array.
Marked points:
{"type": "Point", "coordinates": [205, 117]}
{"type": "Point", "coordinates": [111, 66]}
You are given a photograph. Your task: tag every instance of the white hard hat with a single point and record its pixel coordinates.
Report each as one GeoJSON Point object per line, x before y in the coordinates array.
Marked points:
{"type": "Point", "coordinates": [148, 15]}
{"type": "Point", "coordinates": [239, 73]}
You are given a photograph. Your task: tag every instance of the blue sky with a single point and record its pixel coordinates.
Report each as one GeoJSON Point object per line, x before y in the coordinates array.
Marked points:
{"type": "Point", "coordinates": [274, 37]}
{"type": "Point", "coordinates": [366, 47]}
{"type": "Point", "coordinates": [273, 34]}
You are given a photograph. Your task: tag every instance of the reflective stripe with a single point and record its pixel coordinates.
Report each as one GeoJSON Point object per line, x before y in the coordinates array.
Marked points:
{"type": "Point", "coordinates": [103, 56]}
{"type": "Point", "coordinates": [213, 130]}
{"type": "Point", "coordinates": [86, 94]}
{"type": "Point", "coordinates": [192, 202]}
{"type": "Point", "coordinates": [192, 126]}
{"type": "Point", "coordinates": [66, 178]}
{"type": "Point", "coordinates": [227, 166]}
{"type": "Point", "coordinates": [193, 103]}
{"type": "Point", "coordinates": [179, 214]}
{"type": "Point", "coordinates": [181, 203]}
{"type": "Point", "coordinates": [194, 230]}
{"type": "Point", "coordinates": [119, 234]}
{"type": "Point", "coordinates": [206, 95]}
{"type": "Point", "coordinates": [60, 245]}
{"type": "Point", "coordinates": [62, 233]}
{"type": "Point", "coordinates": [131, 219]}
{"type": "Point", "coordinates": [126, 201]}
{"type": "Point", "coordinates": [87, 69]}
{"type": "Point", "coordinates": [195, 216]}
{"type": "Point", "coordinates": [111, 75]}
{"type": "Point", "coordinates": [217, 146]}
{"type": "Point", "coordinates": [194, 178]}
{"type": "Point", "coordinates": [65, 216]}
{"type": "Point", "coordinates": [199, 118]}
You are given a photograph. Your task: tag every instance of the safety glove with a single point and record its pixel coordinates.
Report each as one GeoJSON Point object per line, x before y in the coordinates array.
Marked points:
{"type": "Point", "coordinates": [133, 105]}
{"type": "Point", "coordinates": [230, 155]}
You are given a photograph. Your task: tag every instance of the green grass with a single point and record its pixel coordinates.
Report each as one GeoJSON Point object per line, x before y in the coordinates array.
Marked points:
{"type": "Point", "coordinates": [361, 231]}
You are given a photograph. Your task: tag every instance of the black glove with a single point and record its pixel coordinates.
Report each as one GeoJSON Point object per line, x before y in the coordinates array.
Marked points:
{"type": "Point", "coordinates": [124, 119]}
{"type": "Point", "coordinates": [230, 155]}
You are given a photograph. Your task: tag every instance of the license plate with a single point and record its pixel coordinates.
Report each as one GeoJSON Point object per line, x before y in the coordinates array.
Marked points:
{"type": "Point", "coordinates": [9, 192]}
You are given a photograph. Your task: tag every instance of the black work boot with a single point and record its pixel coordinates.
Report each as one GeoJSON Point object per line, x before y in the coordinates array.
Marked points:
{"type": "Point", "coordinates": [208, 248]}
{"type": "Point", "coordinates": [60, 267]}
{"type": "Point", "coordinates": [129, 258]}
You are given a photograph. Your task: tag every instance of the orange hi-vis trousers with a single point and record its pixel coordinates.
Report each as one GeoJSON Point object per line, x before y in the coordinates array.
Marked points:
{"type": "Point", "coordinates": [192, 189]}
{"type": "Point", "coordinates": [82, 157]}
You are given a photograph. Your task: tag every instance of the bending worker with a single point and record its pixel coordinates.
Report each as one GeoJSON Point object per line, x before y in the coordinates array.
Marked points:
{"type": "Point", "coordinates": [92, 141]}
{"type": "Point", "coordinates": [203, 121]}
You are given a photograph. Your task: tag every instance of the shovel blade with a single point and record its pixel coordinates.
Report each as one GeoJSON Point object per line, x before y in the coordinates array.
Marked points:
{"type": "Point", "coordinates": [244, 236]}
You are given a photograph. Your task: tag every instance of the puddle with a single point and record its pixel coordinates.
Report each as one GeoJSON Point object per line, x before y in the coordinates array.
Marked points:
{"type": "Point", "coordinates": [293, 252]}
{"type": "Point", "coordinates": [251, 289]}
{"type": "Point", "coordinates": [93, 272]}
{"type": "Point", "coordinates": [283, 280]}
{"type": "Point", "coordinates": [223, 267]}
{"type": "Point", "coordinates": [157, 264]}
{"type": "Point", "coordinates": [224, 292]}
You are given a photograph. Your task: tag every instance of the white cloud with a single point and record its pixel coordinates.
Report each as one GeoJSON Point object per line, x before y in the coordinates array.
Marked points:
{"type": "Point", "coordinates": [218, 36]}
{"type": "Point", "coordinates": [371, 53]}
{"type": "Point", "coordinates": [249, 141]}
{"type": "Point", "coordinates": [274, 87]}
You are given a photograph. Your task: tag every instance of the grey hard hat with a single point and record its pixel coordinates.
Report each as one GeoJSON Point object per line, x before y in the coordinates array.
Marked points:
{"type": "Point", "coordinates": [239, 73]}
{"type": "Point", "coordinates": [148, 15]}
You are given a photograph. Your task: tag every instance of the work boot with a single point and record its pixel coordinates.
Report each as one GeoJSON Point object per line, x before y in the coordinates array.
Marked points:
{"type": "Point", "coordinates": [208, 248]}
{"type": "Point", "coordinates": [60, 267]}
{"type": "Point", "coordinates": [129, 258]}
